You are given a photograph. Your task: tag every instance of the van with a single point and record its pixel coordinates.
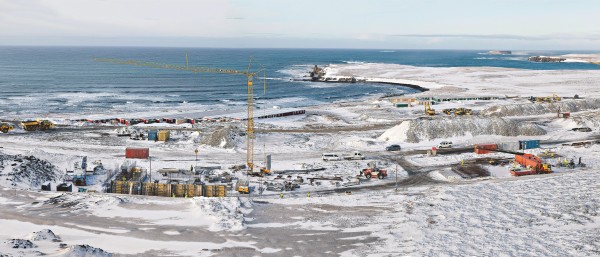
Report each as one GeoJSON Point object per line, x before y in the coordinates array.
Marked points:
{"type": "Point", "coordinates": [331, 157]}
{"type": "Point", "coordinates": [445, 144]}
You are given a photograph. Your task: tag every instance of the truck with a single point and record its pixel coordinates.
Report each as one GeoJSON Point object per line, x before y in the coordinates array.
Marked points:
{"type": "Point", "coordinates": [37, 125]}
{"type": "Point", "coordinates": [243, 186]}
{"type": "Point", "coordinates": [354, 156]}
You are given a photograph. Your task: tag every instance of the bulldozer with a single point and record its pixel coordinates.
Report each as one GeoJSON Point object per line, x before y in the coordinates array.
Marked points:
{"type": "Point", "coordinates": [448, 111]}
{"type": "Point", "coordinates": [428, 109]}
{"type": "Point", "coordinates": [463, 111]}
{"type": "Point", "coordinates": [37, 125]}
{"type": "Point", "coordinates": [5, 127]}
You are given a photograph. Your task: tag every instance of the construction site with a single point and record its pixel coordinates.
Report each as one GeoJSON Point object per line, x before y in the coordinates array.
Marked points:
{"type": "Point", "coordinates": [407, 156]}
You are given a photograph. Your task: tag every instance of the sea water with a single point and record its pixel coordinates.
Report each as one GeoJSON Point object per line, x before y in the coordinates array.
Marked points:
{"type": "Point", "coordinates": [67, 81]}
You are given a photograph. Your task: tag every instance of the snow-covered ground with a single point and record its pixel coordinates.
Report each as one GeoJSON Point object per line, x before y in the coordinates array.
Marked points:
{"type": "Point", "coordinates": [335, 211]}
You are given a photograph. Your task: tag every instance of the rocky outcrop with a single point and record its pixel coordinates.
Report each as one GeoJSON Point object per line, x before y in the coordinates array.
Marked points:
{"type": "Point", "coordinates": [545, 59]}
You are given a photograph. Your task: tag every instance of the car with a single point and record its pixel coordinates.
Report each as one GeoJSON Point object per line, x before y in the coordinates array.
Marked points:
{"type": "Point", "coordinates": [445, 144]}
{"type": "Point", "coordinates": [582, 129]}
{"type": "Point", "coordinates": [393, 148]}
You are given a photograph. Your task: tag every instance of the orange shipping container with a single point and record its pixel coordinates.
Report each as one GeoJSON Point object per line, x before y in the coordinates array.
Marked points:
{"type": "Point", "coordinates": [137, 153]}
{"type": "Point", "coordinates": [485, 148]}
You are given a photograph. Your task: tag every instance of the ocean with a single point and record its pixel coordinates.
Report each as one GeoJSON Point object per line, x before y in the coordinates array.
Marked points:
{"type": "Point", "coordinates": [67, 82]}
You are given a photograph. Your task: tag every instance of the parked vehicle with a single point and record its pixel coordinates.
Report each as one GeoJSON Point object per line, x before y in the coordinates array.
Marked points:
{"type": "Point", "coordinates": [393, 148]}
{"type": "Point", "coordinates": [374, 173]}
{"type": "Point", "coordinates": [445, 144]}
{"type": "Point", "coordinates": [583, 129]}
{"type": "Point", "coordinates": [354, 156]}
{"type": "Point", "coordinates": [331, 157]}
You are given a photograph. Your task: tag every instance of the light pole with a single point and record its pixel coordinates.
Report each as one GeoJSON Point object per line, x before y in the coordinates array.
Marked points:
{"type": "Point", "coordinates": [196, 151]}
{"type": "Point", "coordinates": [396, 177]}
{"type": "Point", "coordinates": [150, 159]}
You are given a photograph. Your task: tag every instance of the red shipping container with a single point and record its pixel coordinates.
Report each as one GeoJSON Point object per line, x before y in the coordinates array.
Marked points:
{"type": "Point", "coordinates": [137, 153]}
{"type": "Point", "coordinates": [485, 148]}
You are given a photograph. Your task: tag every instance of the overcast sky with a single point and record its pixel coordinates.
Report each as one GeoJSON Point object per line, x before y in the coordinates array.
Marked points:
{"type": "Point", "coordinates": [394, 24]}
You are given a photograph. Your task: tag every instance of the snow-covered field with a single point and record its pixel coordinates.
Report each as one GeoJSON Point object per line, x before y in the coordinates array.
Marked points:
{"type": "Point", "coordinates": [336, 210]}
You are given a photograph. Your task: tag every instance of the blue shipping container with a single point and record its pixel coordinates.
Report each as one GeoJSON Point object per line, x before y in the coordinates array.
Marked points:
{"type": "Point", "coordinates": [152, 135]}
{"type": "Point", "coordinates": [529, 144]}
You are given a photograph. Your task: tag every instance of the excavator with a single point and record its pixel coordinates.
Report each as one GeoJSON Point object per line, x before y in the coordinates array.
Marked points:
{"type": "Point", "coordinates": [37, 125]}
{"type": "Point", "coordinates": [6, 127]}
{"type": "Point", "coordinates": [428, 109]}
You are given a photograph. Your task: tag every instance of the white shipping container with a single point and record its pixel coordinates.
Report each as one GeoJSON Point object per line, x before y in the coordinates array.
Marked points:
{"type": "Point", "coordinates": [509, 146]}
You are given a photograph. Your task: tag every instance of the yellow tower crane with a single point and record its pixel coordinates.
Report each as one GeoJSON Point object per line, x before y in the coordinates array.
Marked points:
{"type": "Point", "coordinates": [249, 76]}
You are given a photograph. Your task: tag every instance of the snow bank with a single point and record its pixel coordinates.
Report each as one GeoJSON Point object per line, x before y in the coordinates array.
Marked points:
{"type": "Point", "coordinates": [541, 108]}
{"type": "Point", "coordinates": [415, 131]}
{"type": "Point", "coordinates": [26, 171]}
{"type": "Point", "coordinates": [217, 214]}
{"type": "Point", "coordinates": [226, 137]}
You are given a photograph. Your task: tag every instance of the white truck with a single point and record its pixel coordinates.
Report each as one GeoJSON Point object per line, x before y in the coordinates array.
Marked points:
{"type": "Point", "coordinates": [354, 156]}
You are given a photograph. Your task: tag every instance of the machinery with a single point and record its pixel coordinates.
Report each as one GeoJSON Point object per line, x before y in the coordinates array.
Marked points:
{"type": "Point", "coordinates": [243, 186]}
{"type": "Point", "coordinates": [458, 111]}
{"type": "Point", "coordinates": [37, 125]}
{"type": "Point", "coordinates": [260, 173]}
{"type": "Point", "coordinates": [5, 127]}
{"type": "Point", "coordinates": [374, 173]}
{"type": "Point", "coordinates": [532, 164]}
{"type": "Point", "coordinates": [249, 77]}
{"type": "Point", "coordinates": [428, 109]}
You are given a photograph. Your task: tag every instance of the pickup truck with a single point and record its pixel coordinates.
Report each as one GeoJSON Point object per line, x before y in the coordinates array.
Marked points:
{"type": "Point", "coordinates": [354, 156]}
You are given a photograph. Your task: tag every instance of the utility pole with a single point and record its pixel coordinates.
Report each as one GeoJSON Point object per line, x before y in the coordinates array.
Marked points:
{"type": "Point", "coordinates": [196, 151]}
{"type": "Point", "coordinates": [396, 177]}
{"type": "Point", "coordinates": [150, 158]}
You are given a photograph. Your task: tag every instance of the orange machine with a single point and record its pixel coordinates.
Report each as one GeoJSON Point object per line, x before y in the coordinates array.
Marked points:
{"type": "Point", "coordinates": [533, 165]}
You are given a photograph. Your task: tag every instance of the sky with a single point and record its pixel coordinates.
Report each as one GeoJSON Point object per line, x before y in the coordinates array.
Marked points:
{"type": "Point", "coordinates": [377, 24]}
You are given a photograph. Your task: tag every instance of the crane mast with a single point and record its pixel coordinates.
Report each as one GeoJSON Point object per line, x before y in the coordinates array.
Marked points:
{"type": "Point", "coordinates": [249, 75]}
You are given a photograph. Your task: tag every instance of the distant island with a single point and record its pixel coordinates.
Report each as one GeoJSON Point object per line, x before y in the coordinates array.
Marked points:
{"type": "Point", "coordinates": [500, 52]}
{"type": "Point", "coordinates": [584, 58]}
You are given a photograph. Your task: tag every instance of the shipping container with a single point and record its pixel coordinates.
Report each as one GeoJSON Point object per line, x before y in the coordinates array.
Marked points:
{"type": "Point", "coordinates": [485, 148]}
{"type": "Point", "coordinates": [137, 153]}
{"type": "Point", "coordinates": [401, 104]}
{"type": "Point", "coordinates": [164, 135]}
{"type": "Point", "coordinates": [509, 146]}
{"type": "Point", "coordinates": [529, 144]}
{"type": "Point", "coordinates": [181, 121]}
{"type": "Point", "coordinates": [152, 135]}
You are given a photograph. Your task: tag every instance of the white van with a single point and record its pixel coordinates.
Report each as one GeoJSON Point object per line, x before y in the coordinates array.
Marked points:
{"type": "Point", "coordinates": [331, 157]}
{"type": "Point", "coordinates": [445, 144]}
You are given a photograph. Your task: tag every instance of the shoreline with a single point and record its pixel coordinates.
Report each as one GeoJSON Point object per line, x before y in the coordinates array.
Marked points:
{"type": "Point", "coordinates": [412, 86]}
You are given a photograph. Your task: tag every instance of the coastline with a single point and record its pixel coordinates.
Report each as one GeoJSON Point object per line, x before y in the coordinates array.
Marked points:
{"type": "Point", "coordinates": [412, 86]}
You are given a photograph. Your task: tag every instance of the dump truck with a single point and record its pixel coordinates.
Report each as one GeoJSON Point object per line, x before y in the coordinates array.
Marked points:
{"type": "Point", "coordinates": [37, 125]}
{"type": "Point", "coordinates": [354, 156]}
{"type": "Point", "coordinates": [6, 127]}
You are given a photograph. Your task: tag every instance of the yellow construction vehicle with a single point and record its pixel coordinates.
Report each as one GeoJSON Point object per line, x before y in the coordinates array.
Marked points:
{"type": "Point", "coordinates": [428, 109]}
{"type": "Point", "coordinates": [5, 127]}
{"type": "Point", "coordinates": [260, 173]}
{"type": "Point", "coordinates": [37, 125]}
{"type": "Point", "coordinates": [448, 111]}
{"type": "Point", "coordinates": [243, 186]}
